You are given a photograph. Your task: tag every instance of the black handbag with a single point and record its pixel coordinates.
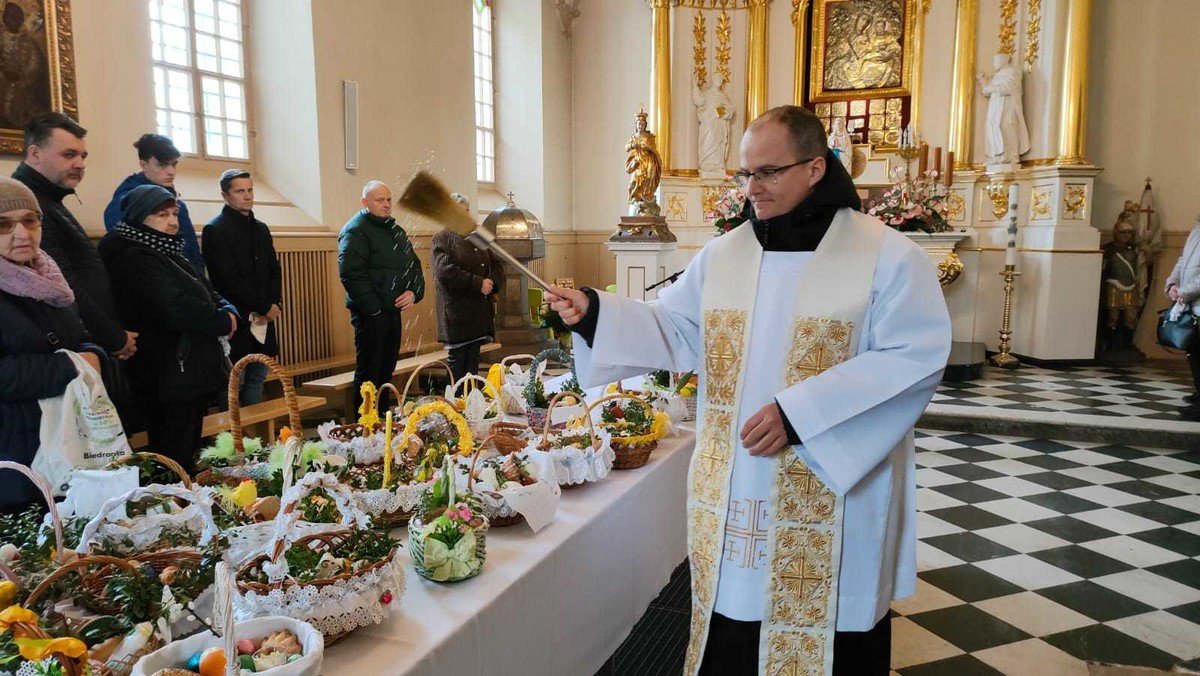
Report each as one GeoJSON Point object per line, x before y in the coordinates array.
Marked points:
{"type": "Point", "coordinates": [1179, 334]}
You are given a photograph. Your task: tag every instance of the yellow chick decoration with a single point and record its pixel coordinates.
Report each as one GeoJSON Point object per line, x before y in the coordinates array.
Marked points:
{"type": "Point", "coordinates": [495, 376]}
{"type": "Point", "coordinates": [241, 497]}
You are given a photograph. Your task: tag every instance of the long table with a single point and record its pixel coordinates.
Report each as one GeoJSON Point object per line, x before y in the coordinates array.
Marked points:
{"type": "Point", "coordinates": [556, 602]}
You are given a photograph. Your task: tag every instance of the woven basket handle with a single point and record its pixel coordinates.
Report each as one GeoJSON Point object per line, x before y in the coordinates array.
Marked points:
{"type": "Point", "coordinates": [395, 393]}
{"type": "Point", "coordinates": [66, 568]}
{"type": "Point", "coordinates": [515, 357]}
{"type": "Point", "coordinates": [550, 412]}
{"type": "Point", "coordinates": [475, 459]}
{"type": "Point", "coordinates": [488, 389]}
{"type": "Point", "coordinates": [452, 415]}
{"type": "Point", "coordinates": [160, 459]}
{"type": "Point", "coordinates": [289, 510]}
{"type": "Point", "coordinates": [44, 487]}
{"type": "Point", "coordinates": [223, 616]}
{"type": "Point", "coordinates": [618, 395]}
{"type": "Point", "coordinates": [8, 574]}
{"type": "Point", "coordinates": [412, 377]}
{"type": "Point", "coordinates": [235, 404]}
{"type": "Point", "coordinates": [199, 499]}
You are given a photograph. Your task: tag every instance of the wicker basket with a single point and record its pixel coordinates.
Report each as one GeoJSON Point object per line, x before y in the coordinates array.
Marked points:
{"type": "Point", "coordinates": [480, 428]}
{"type": "Point", "coordinates": [416, 543]}
{"type": "Point", "coordinates": [62, 554]}
{"type": "Point", "coordinates": [634, 453]}
{"type": "Point", "coordinates": [163, 460]}
{"type": "Point", "coordinates": [213, 477]}
{"type": "Point", "coordinates": [495, 521]}
{"type": "Point", "coordinates": [508, 437]}
{"type": "Point", "coordinates": [412, 378]}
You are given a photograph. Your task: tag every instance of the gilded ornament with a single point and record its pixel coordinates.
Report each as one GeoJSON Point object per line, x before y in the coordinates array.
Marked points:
{"type": "Point", "coordinates": [894, 106]}
{"type": "Point", "coordinates": [724, 332]}
{"type": "Point", "coordinates": [877, 122]}
{"type": "Point", "coordinates": [711, 462]}
{"type": "Point", "coordinates": [802, 496]}
{"type": "Point", "coordinates": [878, 106]}
{"type": "Point", "coordinates": [817, 345]}
{"type": "Point", "coordinates": [1033, 33]}
{"type": "Point", "coordinates": [704, 553]}
{"type": "Point", "coordinates": [644, 167]}
{"type": "Point", "coordinates": [709, 196]}
{"type": "Point", "coordinates": [802, 577]}
{"type": "Point", "coordinates": [1008, 25]}
{"type": "Point", "coordinates": [700, 50]}
{"type": "Point", "coordinates": [858, 108]}
{"type": "Point", "coordinates": [676, 206]}
{"type": "Point", "coordinates": [956, 206]}
{"type": "Point", "coordinates": [949, 269]}
{"type": "Point", "coordinates": [862, 46]}
{"type": "Point", "coordinates": [796, 653]}
{"type": "Point", "coordinates": [724, 35]}
{"type": "Point", "coordinates": [822, 110]}
{"type": "Point", "coordinates": [1039, 203]}
{"type": "Point", "coordinates": [45, 37]}
{"type": "Point", "coordinates": [997, 192]}
{"type": "Point", "coordinates": [839, 109]}
{"type": "Point", "coordinates": [1074, 201]}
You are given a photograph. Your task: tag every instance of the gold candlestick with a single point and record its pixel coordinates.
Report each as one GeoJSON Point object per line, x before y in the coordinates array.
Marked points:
{"type": "Point", "coordinates": [1003, 359]}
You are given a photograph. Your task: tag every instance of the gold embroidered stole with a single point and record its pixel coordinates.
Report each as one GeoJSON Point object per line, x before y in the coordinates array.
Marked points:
{"type": "Point", "coordinates": [804, 539]}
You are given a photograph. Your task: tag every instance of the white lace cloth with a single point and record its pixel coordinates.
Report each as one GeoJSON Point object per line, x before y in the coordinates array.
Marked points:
{"type": "Point", "coordinates": [366, 450]}
{"type": "Point", "coordinates": [576, 462]}
{"type": "Point", "coordinates": [333, 609]}
{"type": "Point", "coordinates": [143, 531]}
{"type": "Point", "coordinates": [396, 499]}
{"type": "Point", "coordinates": [537, 502]}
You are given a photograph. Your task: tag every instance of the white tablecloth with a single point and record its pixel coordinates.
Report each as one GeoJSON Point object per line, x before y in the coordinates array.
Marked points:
{"type": "Point", "coordinates": [558, 602]}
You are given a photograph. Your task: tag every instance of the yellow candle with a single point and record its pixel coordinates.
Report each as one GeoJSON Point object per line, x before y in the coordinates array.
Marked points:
{"type": "Point", "coordinates": [387, 452]}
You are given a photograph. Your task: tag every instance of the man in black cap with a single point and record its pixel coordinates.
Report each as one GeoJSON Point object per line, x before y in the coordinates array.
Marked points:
{"type": "Point", "coordinates": [244, 269]}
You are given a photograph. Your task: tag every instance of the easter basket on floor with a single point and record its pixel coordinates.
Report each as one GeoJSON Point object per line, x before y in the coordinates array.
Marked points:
{"type": "Point", "coordinates": [512, 488]}
{"type": "Point", "coordinates": [635, 428]}
{"type": "Point", "coordinates": [580, 453]}
{"type": "Point", "coordinates": [447, 537]}
{"type": "Point", "coordinates": [280, 646]}
{"type": "Point", "coordinates": [336, 580]}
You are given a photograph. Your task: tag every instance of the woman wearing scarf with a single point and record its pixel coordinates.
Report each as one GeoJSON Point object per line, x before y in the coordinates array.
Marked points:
{"type": "Point", "coordinates": [180, 364]}
{"type": "Point", "coordinates": [37, 319]}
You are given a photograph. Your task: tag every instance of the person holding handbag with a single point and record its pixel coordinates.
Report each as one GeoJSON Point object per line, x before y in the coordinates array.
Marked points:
{"type": "Point", "coordinates": [180, 364]}
{"type": "Point", "coordinates": [38, 320]}
{"type": "Point", "coordinates": [1183, 287]}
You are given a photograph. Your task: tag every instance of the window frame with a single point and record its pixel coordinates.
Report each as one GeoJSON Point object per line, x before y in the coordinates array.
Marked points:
{"type": "Point", "coordinates": [491, 13]}
{"type": "Point", "coordinates": [196, 79]}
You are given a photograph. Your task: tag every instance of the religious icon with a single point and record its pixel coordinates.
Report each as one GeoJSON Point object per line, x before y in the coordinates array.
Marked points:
{"type": "Point", "coordinates": [862, 47]}
{"type": "Point", "coordinates": [37, 71]}
{"type": "Point", "coordinates": [644, 168]}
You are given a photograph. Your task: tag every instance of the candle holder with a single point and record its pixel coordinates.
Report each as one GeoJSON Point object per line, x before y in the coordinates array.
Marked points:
{"type": "Point", "coordinates": [1004, 359]}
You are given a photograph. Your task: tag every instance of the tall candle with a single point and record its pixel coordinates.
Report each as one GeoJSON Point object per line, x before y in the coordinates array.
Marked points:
{"type": "Point", "coordinates": [937, 161]}
{"type": "Point", "coordinates": [949, 167]}
{"type": "Point", "coordinates": [923, 159]}
{"type": "Point", "coordinates": [1010, 251]}
{"type": "Point", "coordinates": [387, 452]}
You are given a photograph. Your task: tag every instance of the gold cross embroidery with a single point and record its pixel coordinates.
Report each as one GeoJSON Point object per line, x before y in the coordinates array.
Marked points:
{"type": "Point", "coordinates": [803, 478]}
{"type": "Point", "coordinates": [798, 570]}
{"type": "Point", "coordinates": [722, 357]}
{"type": "Point", "coordinates": [711, 461]}
{"type": "Point", "coordinates": [815, 362]}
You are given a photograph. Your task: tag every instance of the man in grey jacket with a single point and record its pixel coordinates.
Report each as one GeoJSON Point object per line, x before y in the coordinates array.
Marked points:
{"type": "Point", "coordinates": [1183, 286]}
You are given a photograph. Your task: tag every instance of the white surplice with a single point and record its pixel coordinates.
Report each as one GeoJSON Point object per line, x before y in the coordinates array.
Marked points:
{"type": "Point", "coordinates": [855, 420]}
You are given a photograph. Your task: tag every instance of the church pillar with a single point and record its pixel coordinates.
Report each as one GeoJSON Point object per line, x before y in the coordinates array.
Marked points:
{"type": "Point", "coordinates": [918, 67]}
{"type": "Point", "coordinates": [962, 88]}
{"type": "Point", "coordinates": [1073, 115]}
{"type": "Point", "coordinates": [660, 78]}
{"type": "Point", "coordinates": [800, 57]}
{"type": "Point", "coordinates": [756, 59]}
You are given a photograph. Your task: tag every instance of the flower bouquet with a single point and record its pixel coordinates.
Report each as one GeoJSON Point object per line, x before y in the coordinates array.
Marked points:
{"type": "Point", "coordinates": [913, 205]}
{"type": "Point", "coordinates": [726, 213]}
{"type": "Point", "coordinates": [634, 425]}
{"type": "Point", "coordinates": [336, 580]}
{"type": "Point", "coordinates": [447, 538]}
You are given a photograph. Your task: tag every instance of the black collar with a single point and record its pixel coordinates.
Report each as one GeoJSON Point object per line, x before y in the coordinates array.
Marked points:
{"type": "Point", "coordinates": [39, 184]}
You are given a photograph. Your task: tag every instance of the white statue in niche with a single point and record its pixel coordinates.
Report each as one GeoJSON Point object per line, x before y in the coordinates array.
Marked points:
{"type": "Point", "coordinates": [1005, 134]}
{"type": "Point", "coordinates": [840, 143]}
{"type": "Point", "coordinates": [715, 112]}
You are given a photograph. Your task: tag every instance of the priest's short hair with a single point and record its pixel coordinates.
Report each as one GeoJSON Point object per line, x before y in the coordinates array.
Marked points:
{"type": "Point", "coordinates": [807, 132]}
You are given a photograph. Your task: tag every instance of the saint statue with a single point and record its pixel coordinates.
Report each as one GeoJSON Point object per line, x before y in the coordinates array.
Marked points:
{"type": "Point", "coordinates": [644, 167]}
{"type": "Point", "coordinates": [1006, 136]}
{"type": "Point", "coordinates": [1120, 294]}
{"type": "Point", "coordinates": [715, 111]}
{"type": "Point", "coordinates": [841, 145]}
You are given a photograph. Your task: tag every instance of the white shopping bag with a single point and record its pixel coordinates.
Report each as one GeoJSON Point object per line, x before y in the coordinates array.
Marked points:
{"type": "Point", "coordinates": [80, 429]}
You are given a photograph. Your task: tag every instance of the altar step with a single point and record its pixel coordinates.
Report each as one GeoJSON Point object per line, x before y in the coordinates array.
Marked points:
{"type": "Point", "coordinates": [1136, 405]}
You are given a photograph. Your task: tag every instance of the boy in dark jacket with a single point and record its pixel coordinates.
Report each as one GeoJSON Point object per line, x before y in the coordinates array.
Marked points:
{"type": "Point", "coordinates": [383, 278]}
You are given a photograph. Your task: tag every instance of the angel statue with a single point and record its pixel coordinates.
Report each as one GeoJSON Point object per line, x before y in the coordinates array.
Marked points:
{"type": "Point", "coordinates": [1120, 296]}
{"type": "Point", "coordinates": [1006, 136]}
{"type": "Point", "coordinates": [644, 167]}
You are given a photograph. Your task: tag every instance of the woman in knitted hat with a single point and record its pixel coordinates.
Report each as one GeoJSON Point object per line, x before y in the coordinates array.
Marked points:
{"type": "Point", "coordinates": [37, 319]}
{"type": "Point", "coordinates": [180, 364]}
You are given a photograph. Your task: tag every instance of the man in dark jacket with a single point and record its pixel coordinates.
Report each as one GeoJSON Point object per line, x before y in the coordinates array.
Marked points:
{"type": "Point", "coordinates": [159, 159]}
{"type": "Point", "coordinates": [54, 163]}
{"type": "Point", "coordinates": [383, 278]}
{"type": "Point", "coordinates": [468, 279]}
{"type": "Point", "coordinates": [244, 269]}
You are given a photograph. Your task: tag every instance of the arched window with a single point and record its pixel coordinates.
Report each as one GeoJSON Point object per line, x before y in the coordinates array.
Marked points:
{"type": "Point", "coordinates": [200, 76]}
{"type": "Point", "coordinates": [485, 98]}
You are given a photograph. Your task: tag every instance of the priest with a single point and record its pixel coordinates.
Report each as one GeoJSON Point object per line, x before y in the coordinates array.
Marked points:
{"type": "Point", "coordinates": [819, 336]}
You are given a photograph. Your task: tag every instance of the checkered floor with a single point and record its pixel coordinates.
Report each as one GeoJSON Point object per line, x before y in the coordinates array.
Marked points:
{"type": "Point", "coordinates": [1034, 556]}
{"type": "Point", "coordinates": [1153, 391]}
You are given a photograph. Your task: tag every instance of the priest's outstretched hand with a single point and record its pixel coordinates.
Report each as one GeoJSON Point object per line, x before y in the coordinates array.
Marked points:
{"type": "Point", "coordinates": [764, 433]}
{"type": "Point", "coordinates": [571, 305]}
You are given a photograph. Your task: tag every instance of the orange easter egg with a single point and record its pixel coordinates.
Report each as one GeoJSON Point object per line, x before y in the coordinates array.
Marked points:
{"type": "Point", "coordinates": [212, 662]}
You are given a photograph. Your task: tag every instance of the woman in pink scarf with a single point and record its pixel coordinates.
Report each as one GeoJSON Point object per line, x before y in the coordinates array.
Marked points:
{"type": "Point", "coordinates": [37, 319]}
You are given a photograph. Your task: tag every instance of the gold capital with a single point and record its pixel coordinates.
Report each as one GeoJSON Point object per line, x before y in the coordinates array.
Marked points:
{"type": "Point", "coordinates": [962, 87]}
{"type": "Point", "coordinates": [1072, 122]}
{"type": "Point", "coordinates": [756, 59]}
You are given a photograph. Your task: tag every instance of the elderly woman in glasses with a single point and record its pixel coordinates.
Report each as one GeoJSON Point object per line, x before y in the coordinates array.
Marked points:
{"type": "Point", "coordinates": [180, 364]}
{"type": "Point", "coordinates": [37, 320]}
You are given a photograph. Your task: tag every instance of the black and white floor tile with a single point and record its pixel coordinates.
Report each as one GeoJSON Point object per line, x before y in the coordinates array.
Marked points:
{"type": "Point", "coordinates": [1034, 557]}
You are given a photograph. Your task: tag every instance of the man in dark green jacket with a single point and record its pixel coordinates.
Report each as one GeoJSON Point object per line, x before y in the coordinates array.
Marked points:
{"type": "Point", "coordinates": [383, 278]}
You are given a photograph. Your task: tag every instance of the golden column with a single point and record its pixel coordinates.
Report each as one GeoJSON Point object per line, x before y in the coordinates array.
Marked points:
{"type": "Point", "coordinates": [1072, 122]}
{"type": "Point", "coordinates": [962, 87]}
{"type": "Point", "coordinates": [660, 77]}
{"type": "Point", "coordinates": [918, 47]}
{"type": "Point", "coordinates": [800, 58]}
{"type": "Point", "coordinates": [756, 59]}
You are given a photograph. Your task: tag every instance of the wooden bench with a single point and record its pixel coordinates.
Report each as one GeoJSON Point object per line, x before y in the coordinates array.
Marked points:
{"type": "Point", "coordinates": [264, 412]}
{"type": "Point", "coordinates": [334, 363]}
{"type": "Point", "coordinates": [340, 385]}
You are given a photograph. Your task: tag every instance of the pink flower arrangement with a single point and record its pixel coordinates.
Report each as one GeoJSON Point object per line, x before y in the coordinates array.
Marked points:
{"type": "Point", "coordinates": [913, 204]}
{"type": "Point", "coordinates": [460, 512]}
{"type": "Point", "coordinates": [726, 214]}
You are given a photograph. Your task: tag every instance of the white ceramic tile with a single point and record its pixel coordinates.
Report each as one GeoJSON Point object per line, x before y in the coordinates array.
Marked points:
{"type": "Point", "coordinates": [929, 499]}
{"type": "Point", "coordinates": [1012, 486]}
{"type": "Point", "coordinates": [931, 477]}
{"type": "Point", "coordinates": [1032, 656]}
{"type": "Point", "coordinates": [1095, 475]}
{"type": "Point", "coordinates": [1086, 457]}
{"type": "Point", "coordinates": [1109, 497]}
{"type": "Point", "coordinates": [931, 526]}
{"type": "Point", "coordinates": [1022, 538]}
{"type": "Point", "coordinates": [1008, 450]}
{"type": "Point", "coordinates": [935, 459]}
{"type": "Point", "coordinates": [1034, 614]}
{"type": "Point", "coordinates": [1164, 631]}
{"type": "Point", "coordinates": [931, 558]}
{"type": "Point", "coordinates": [1189, 502]}
{"type": "Point", "coordinates": [1010, 467]}
{"type": "Point", "coordinates": [1134, 552]}
{"type": "Point", "coordinates": [1147, 587]}
{"type": "Point", "coordinates": [1178, 482]}
{"type": "Point", "coordinates": [928, 597]}
{"type": "Point", "coordinates": [1016, 509]}
{"type": "Point", "coordinates": [1117, 521]}
{"type": "Point", "coordinates": [1027, 572]}
{"type": "Point", "coordinates": [914, 644]}
{"type": "Point", "coordinates": [1167, 463]}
